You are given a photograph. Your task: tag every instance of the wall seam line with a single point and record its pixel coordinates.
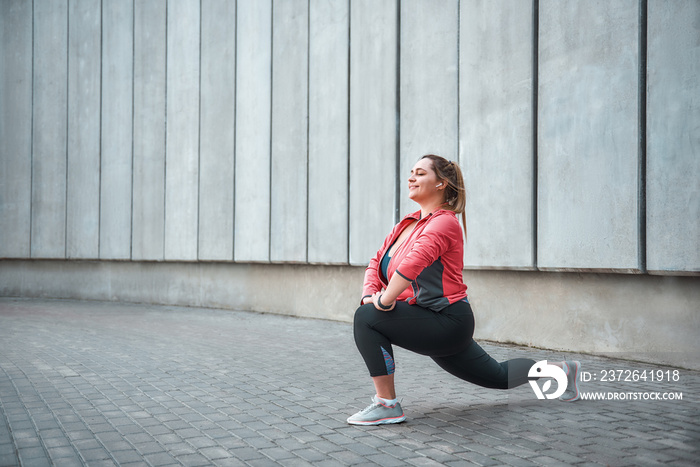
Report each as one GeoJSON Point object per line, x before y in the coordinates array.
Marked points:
{"type": "Point", "coordinates": [348, 149]}
{"type": "Point", "coordinates": [199, 139]}
{"type": "Point", "coordinates": [31, 146]}
{"type": "Point", "coordinates": [99, 191]}
{"type": "Point", "coordinates": [642, 138]}
{"type": "Point", "coordinates": [459, 31]}
{"type": "Point", "coordinates": [165, 137]}
{"type": "Point", "coordinates": [133, 114]}
{"type": "Point", "coordinates": [271, 161]}
{"type": "Point", "coordinates": [535, 135]}
{"type": "Point", "coordinates": [397, 156]}
{"type": "Point", "coordinates": [308, 118]}
{"type": "Point", "coordinates": [65, 194]}
{"type": "Point", "coordinates": [459, 42]}
{"type": "Point", "coordinates": [235, 135]}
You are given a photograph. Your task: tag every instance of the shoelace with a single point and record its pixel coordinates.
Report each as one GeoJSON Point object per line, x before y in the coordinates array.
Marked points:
{"type": "Point", "coordinates": [372, 406]}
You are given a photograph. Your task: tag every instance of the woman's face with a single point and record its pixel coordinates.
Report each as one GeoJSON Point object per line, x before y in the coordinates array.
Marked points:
{"type": "Point", "coordinates": [423, 184]}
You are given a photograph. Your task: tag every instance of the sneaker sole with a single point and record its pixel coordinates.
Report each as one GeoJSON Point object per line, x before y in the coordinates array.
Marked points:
{"type": "Point", "coordinates": [573, 399]}
{"type": "Point", "coordinates": [383, 421]}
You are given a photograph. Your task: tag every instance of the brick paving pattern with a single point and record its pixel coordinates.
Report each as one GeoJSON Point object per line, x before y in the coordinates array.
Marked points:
{"type": "Point", "coordinates": [92, 383]}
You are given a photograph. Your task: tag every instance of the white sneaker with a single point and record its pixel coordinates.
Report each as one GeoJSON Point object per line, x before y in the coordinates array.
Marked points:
{"type": "Point", "coordinates": [572, 371]}
{"type": "Point", "coordinates": [378, 414]}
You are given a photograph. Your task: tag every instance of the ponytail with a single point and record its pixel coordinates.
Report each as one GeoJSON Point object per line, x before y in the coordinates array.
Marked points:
{"type": "Point", "coordinates": [455, 193]}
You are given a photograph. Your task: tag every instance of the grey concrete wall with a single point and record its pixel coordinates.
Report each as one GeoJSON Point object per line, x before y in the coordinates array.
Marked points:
{"type": "Point", "coordinates": [182, 130]}
{"type": "Point", "coordinates": [15, 128]}
{"type": "Point", "coordinates": [496, 127]}
{"type": "Point", "coordinates": [83, 159]}
{"type": "Point", "coordinates": [148, 178]}
{"type": "Point", "coordinates": [673, 137]}
{"type": "Point", "coordinates": [289, 158]}
{"type": "Point", "coordinates": [329, 29]}
{"type": "Point", "coordinates": [373, 129]}
{"type": "Point", "coordinates": [283, 131]}
{"type": "Point", "coordinates": [253, 131]}
{"type": "Point", "coordinates": [49, 128]}
{"type": "Point", "coordinates": [428, 85]}
{"type": "Point", "coordinates": [588, 141]}
{"type": "Point", "coordinates": [116, 162]}
{"type": "Point", "coordinates": [217, 123]}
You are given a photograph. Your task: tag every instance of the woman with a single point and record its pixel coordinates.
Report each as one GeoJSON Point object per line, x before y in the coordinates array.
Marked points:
{"type": "Point", "coordinates": [414, 296]}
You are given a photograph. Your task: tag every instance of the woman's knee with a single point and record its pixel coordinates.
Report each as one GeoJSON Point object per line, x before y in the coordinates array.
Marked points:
{"type": "Point", "coordinates": [364, 314]}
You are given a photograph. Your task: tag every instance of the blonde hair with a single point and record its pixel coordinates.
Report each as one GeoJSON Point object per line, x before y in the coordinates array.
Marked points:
{"type": "Point", "coordinates": [455, 193]}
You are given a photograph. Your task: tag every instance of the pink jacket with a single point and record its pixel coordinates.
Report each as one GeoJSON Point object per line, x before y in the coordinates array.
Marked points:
{"type": "Point", "coordinates": [431, 258]}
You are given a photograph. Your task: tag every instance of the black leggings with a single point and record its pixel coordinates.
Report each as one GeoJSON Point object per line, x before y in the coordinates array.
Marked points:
{"type": "Point", "coordinates": [446, 337]}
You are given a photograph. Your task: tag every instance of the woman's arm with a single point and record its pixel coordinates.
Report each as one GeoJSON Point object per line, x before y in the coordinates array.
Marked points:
{"type": "Point", "coordinates": [397, 284]}
{"type": "Point", "coordinates": [441, 233]}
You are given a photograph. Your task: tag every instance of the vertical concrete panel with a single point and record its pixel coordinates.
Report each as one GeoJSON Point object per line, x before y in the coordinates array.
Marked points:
{"type": "Point", "coordinates": [218, 83]}
{"type": "Point", "coordinates": [15, 128]}
{"type": "Point", "coordinates": [148, 217]}
{"type": "Point", "coordinates": [289, 130]}
{"type": "Point", "coordinates": [253, 100]}
{"type": "Point", "coordinates": [83, 181]}
{"type": "Point", "coordinates": [673, 136]}
{"type": "Point", "coordinates": [429, 85]}
{"type": "Point", "coordinates": [117, 129]}
{"type": "Point", "coordinates": [328, 131]}
{"type": "Point", "coordinates": [49, 129]}
{"type": "Point", "coordinates": [496, 131]}
{"type": "Point", "coordinates": [373, 81]}
{"type": "Point", "coordinates": [182, 130]}
{"type": "Point", "coordinates": [588, 135]}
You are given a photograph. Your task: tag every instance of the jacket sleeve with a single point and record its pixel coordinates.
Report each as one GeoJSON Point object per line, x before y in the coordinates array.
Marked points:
{"type": "Point", "coordinates": [430, 245]}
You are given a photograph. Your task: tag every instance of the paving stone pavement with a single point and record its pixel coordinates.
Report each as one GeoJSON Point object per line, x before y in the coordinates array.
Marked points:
{"type": "Point", "coordinates": [93, 383]}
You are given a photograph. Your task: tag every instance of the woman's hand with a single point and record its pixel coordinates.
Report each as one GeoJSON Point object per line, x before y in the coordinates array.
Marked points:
{"type": "Point", "coordinates": [384, 306]}
{"type": "Point", "coordinates": [397, 284]}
